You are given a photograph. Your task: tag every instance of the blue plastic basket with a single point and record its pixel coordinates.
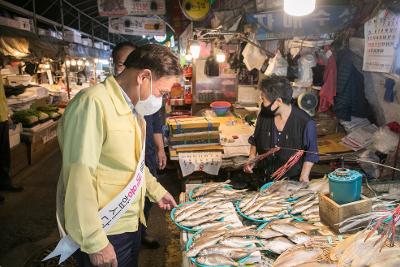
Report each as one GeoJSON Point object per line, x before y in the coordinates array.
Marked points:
{"type": "Point", "coordinates": [172, 215]}
{"type": "Point", "coordinates": [197, 187]}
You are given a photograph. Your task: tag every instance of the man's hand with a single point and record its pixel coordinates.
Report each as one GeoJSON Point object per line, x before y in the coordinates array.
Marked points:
{"type": "Point", "coordinates": [304, 179]}
{"type": "Point", "coordinates": [248, 168]}
{"type": "Point", "coordinates": [105, 257]}
{"type": "Point", "coordinates": [162, 159]}
{"type": "Point", "coordinates": [167, 202]}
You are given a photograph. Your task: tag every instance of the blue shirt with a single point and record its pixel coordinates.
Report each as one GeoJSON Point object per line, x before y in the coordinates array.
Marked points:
{"type": "Point", "coordinates": [153, 126]}
{"type": "Point", "coordinates": [309, 140]}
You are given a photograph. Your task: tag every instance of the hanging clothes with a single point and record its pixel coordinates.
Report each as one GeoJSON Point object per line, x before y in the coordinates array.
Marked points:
{"type": "Point", "coordinates": [328, 89]}
{"type": "Point", "coordinates": [350, 87]}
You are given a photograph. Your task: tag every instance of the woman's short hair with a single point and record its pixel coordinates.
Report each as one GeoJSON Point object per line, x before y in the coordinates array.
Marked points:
{"type": "Point", "coordinates": [275, 87]}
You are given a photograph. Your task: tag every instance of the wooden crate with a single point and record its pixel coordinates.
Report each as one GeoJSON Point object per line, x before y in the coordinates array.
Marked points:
{"type": "Point", "coordinates": [39, 150]}
{"type": "Point", "coordinates": [19, 159]}
{"type": "Point", "coordinates": [192, 125]}
{"type": "Point", "coordinates": [332, 213]}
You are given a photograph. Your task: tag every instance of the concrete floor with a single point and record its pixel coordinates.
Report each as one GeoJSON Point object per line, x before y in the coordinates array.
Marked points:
{"type": "Point", "coordinates": [27, 219]}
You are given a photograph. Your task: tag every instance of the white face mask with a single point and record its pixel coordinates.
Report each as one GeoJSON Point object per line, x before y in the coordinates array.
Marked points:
{"type": "Point", "coordinates": [150, 105]}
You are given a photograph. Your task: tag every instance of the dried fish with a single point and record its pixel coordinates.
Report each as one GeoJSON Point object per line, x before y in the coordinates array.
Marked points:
{"type": "Point", "coordinates": [302, 193]}
{"type": "Point", "coordinates": [212, 225]}
{"type": "Point", "coordinates": [300, 208]}
{"type": "Point", "coordinates": [196, 247]}
{"type": "Point", "coordinates": [208, 188]}
{"type": "Point", "coordinates": [296, 257]}
{"type": "Point", "coordinates": [231, 252]}
{"type": "Point", "coordinates": [300, 238]}
{"type": "Point", "coordinates": [239, 242]}
{"type": "Point", "coordinates": [268, 233]}
{"type": "Point", "coordinates": [311, 210]}
{"type": "Point", "coordinates": [217, 260]}
{"type": "Point", "coordinates": [286, 229]}
{"type": "Point", "coordinates": [278, 245]}
{"type": "Point", "coordinates": [205, 219]}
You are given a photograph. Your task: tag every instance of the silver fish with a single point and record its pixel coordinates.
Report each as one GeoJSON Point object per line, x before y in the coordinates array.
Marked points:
{"type": "Point", "coordinates": [239, 242]}
{"type": "Point", "coordinates": [274, 208]}
{"type": "Point", "coordinates": [298, 256]}
{"type": "Point", "coordinates": [196, 247]}
{"type": "Point", "coordinates": [187, 213]}
{"type": "Point", "coordinates": [304, 200]}
{"type": "Point", "coordinates": [268, 233]}
{"type": "Point", "coordinates": [212, 225]}
{"type": "Point", "coordinates": [231, 252]}
{"type": "Point", "coordinates": [306, 206]}
{"type": "Point", "coordinates": [208, 188]}
{"type": "Point", "coordinates": [312, 210]}
{"type": "Point", "coordinates": [281, 221]}
{"type": "Point", "coordinates": [305, 226]}
{"type": "Point", "coordinates": [286, 229]}
{"type": "Point", "coordinates": [278, 245]}
{"type": "Point", "coordinates": [205, 212]}
{"type": "Point", "coordinates": [217, 260]}
{"type": "Point", "coordinates": [205, 219]}
{"type": "Point", "coordinates": [300, 238]}
{"type": "Point", "coordinates": [185, 207]}
{"type": "Point", "coordinates": [302, 193]}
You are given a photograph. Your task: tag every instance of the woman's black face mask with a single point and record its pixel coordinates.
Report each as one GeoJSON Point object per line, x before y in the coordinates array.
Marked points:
{"type": "Point", "coordinates": [267, 112]}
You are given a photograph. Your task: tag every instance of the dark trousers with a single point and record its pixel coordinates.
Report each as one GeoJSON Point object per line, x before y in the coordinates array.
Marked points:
{"type": "Point", "coordinates": [126, 247]}
{"type": "Point", "coordinates": [4, 154]}
{"type": "Point", "coordinates": [147, 204]}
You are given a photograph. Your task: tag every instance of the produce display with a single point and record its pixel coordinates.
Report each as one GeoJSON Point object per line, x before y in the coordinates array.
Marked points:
{"type": "Point", "coordinates": [34, 116]}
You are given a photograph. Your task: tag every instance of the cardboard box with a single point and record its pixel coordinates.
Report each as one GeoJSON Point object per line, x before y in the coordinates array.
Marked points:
{"type": "Point", "coordinates": [87, 41]}
{"type": "Point", "coordinates": [39, 150]}
{"type": "Point", "coordinates": [332, 213]}
{"type": "Point", "coordinates": [25, 24]}
{"type": "Point", "coordinates": [10, 22]}
{"type": "Point", "coordinates": [183, 126]}
{"type": "Point", "coordinates": [15, 135]}
{"type": "Point", "coordinates": [19, 159]}
{"type": "Point", "coordinates": [73, 37]}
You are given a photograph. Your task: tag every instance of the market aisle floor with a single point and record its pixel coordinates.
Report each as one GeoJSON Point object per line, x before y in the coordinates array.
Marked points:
{"type": "Point", "coordinates": [27, 222]}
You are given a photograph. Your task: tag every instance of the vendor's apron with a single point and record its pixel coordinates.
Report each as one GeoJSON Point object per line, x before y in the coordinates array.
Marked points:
{"type": "Point", "coordinates": [66, 246]}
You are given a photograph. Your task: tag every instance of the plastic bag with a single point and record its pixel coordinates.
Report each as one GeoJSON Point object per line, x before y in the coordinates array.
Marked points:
{"type": "Point", "coordinates": [277, 66]}
{"type": "Point", "coordinates": [306, 63]}
{"type": "Point", "coordinates": [371, 169]}
{"type": "Point", "coordinates": [385, 141]}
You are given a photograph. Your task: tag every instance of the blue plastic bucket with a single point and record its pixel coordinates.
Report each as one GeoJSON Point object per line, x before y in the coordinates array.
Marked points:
{"type": "Point", "coordinates": [345, 185]}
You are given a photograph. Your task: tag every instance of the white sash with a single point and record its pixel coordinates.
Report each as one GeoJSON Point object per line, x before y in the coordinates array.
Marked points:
{"type": "Point", "coordinates": [109, 214]}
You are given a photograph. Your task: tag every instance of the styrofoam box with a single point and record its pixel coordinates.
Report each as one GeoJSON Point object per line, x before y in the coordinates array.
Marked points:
{"type": "Point", "coordinates": [15, 80]}
{"type": "Point", "coordinates": [99, 45]}
{"type": "Point", "coordinates": [54, 34]}
{"type": "Point", "coordinates": [42, 31]}
{"type": "Point", "coordinates": [87, 41]}
{"type": "Point", "coordinates": [25, 23]}
{"type": "Point", "coordinates": [10, 22]}
{"type": "Point", "coordinates": [15, 135]}
{"type": "Point", "coordinates": [73, 37]}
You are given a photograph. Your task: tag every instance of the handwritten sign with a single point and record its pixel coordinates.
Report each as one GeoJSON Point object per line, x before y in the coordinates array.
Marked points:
{"type": "Point", "coordinates": [381, 39]}
{"type": "Point", "coordinates": [129, 7]}
{"type": "Point", "coordinates": [277, 24]}
{"type": "Point", "coordinates": [132, 25]}
{"type": "Point", "coordinates": [209, 162]}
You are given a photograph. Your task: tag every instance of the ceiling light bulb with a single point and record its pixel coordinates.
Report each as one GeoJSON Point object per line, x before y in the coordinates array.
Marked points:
{"type": "Point", "coordinates": [195, 49]}
{"type": "Point", "coordinates": [47, 66]}
{"type": "Point", "coordinates": [68, 62]}
{"type": "Point", "coordinates": [73, 62]}
{"type": "Point", "coordinates": [220, 57]}
{"type": "Point", "coordinates": [188, 57]}
{"type": "Point", "coordinates": [87, 63]}
{"type": "Point", "coordinates": [79, 62]}
{"type": "Point", "coordinates": [299, 7]}
{"type": "Point", "coordinates": [96, 60]}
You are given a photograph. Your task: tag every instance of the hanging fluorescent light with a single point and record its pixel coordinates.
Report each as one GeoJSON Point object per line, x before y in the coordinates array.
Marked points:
{"type": "Point", "coordinates": [195, 48]}
{"type": "Point", "coordinates": [73, 62]}
{"type": "Point", "coordinates": [299, 7]}
{"type": "Point", "coordinates": [220, 57]}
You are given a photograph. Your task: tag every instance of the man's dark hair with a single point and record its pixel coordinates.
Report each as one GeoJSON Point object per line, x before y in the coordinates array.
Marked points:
{"type": "Point", "coordinates": [157, 58]}
{"type": "Point", "coordinates": [119, 46]}
{"type": "Point", "coordinates": [275, 87]}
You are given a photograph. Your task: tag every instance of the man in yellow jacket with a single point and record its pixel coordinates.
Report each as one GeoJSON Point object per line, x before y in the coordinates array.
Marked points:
{"type": "Point", "coordinates": [101, 136]}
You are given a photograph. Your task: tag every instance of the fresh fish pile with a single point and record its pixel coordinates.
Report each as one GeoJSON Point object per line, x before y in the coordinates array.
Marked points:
{"type": "Point", "coordinates": [217, 190]}
{"type": "Point", "coordinates": [200, 215]}
{"type": "Point", "coordinates": [223, 246]}
{"type": "Point", "coordinates": [279, 200]}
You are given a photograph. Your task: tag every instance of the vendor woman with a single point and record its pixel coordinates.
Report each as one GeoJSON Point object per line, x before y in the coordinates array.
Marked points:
{"type": "Point", "coordinates": [281, 124]}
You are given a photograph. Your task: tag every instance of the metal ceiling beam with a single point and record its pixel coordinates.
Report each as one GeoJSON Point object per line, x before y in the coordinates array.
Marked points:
{"type": "Point", "coordinates": [28, 13]}
{"type": "Point", "coordinates": [83, 3]}
{"type": "Point", "coordinates": [48, 8]}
